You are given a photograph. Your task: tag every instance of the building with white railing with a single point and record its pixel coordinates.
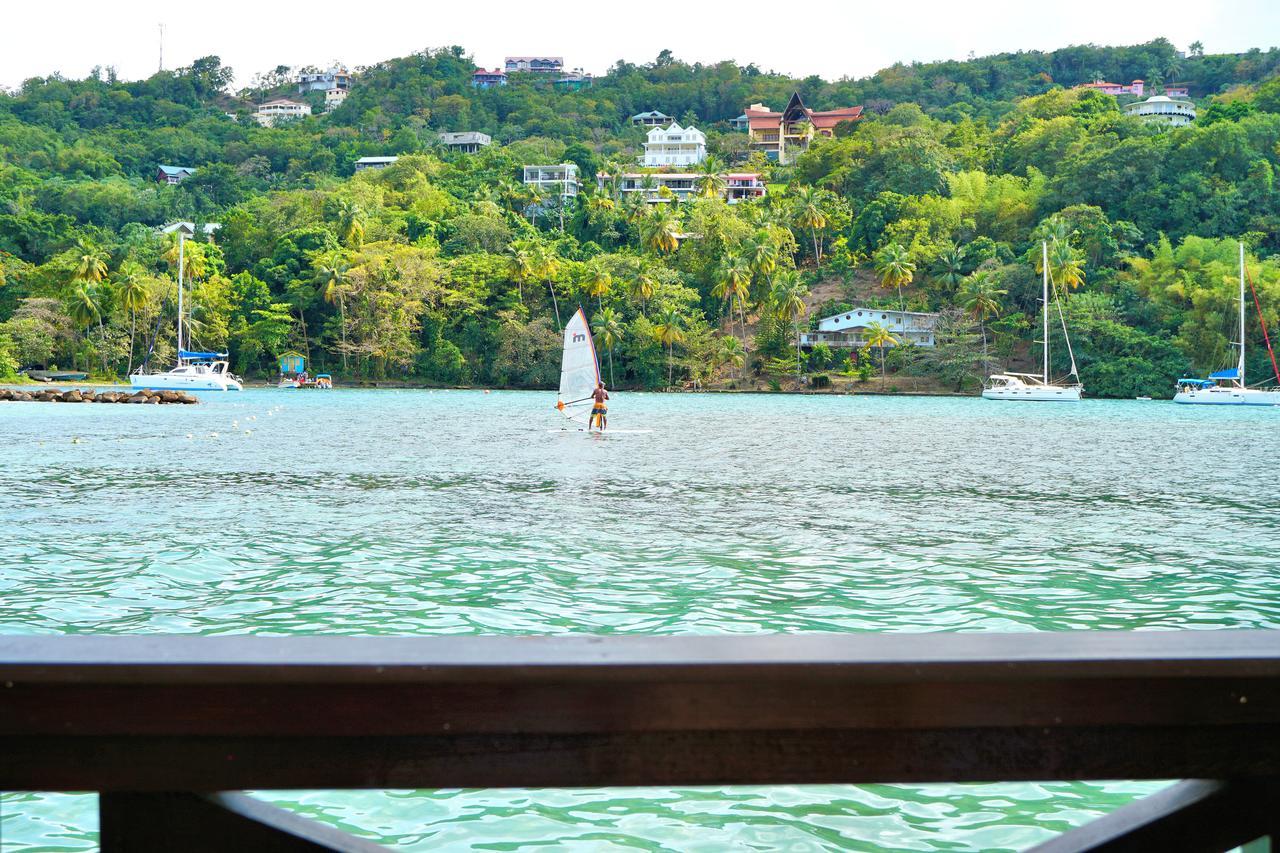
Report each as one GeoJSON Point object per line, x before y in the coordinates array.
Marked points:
{"type": "Point", "coordinates": [848, 329]}
{"type": "Point", "coordinates": [1163, 110]}
{"type": "Point", "coordinates": [322, 81]}
{"type": "Point", "coordinates": [659, 187]}
{"type": "Point", "coordinates": [558, 180]}
{"type": "Point", "coordinates": [279, 110]}
{"type": "Point", "coordinates": [534, 64]}
{"type": "Point", "coordinates": [675, 146]}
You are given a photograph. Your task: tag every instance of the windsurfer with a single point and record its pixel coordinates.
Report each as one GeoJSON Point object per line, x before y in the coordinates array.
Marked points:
{"type": "Point", "coordinates": [599, 409]}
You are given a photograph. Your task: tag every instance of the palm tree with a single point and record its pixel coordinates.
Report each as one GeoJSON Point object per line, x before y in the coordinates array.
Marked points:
{"type": "Point", "coordinates": [91, 263]}
{"type": "Point", "coordinates": [733, 283]}
{"type": "Point", "coordinates": [880, 337]}
{"type": "Point", "coordinates": [520, 264]}
{"type": "Point", "coordinates": [351, 220]}
{"type": "Point", "coordinates": [669, 330]}
{"type": "Point", "coordinates": [660, 231]}
{"type": "Point", "coordinates": [895, 268]}
{"type": "Point", "coordinates": [84, 309]}
{"type": "Point", "coordinates": [641, 285]}
{"type": "Point", "coordinates": [948, 269]}
{"type": "Point", "coordinates": [597, 281]}
{"type": "Point", "coordinates": [1065, 265]}
{"type": "Point", "coordinates": [730, 352]}
{"type": "Point", "coordinates": [544, 264]}
{"type": "Point", "coordinates": [133, 295]}
{"type": "Point", "coordinates": [786, 297]}
{"type": "Point", "coordinates": [607, 326]}
{"type": "Point", "coordinates": [331, 275]}
{"type": "Point", "coordinates": [809, 214]}
{"type": "Point", "coordinates": [90, 272]}
{"type": "Point", "coordinates": [981, 300]}
{"type": "Point", "coordinates": [762, 256]}
{"type": "Point", "coordinates": [711, 182]}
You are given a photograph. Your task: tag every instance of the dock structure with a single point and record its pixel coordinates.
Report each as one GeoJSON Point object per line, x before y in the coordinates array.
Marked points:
{"type": "Point", "coordinates": [155, 723]}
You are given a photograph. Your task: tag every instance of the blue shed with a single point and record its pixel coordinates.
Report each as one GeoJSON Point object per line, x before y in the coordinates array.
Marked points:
{"type": "Point", "coordinates": [291, 363]}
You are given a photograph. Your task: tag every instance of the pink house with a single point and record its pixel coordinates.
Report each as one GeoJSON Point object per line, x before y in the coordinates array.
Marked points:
{"type": "Point", "coordinates": [1135, 88]}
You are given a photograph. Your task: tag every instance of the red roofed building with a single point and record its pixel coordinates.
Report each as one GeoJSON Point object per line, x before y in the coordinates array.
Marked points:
{"type": "Point", "coordinates": [1135, 88]}
{"type": "Point", "coordinates": [784, 136]}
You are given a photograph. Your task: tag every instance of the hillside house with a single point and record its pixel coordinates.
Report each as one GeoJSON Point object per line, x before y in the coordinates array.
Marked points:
{"type": "Point", "coordinates": [558, 180]}
{"type": "Point", "coordinates": [848, 329]}
{"type": "Point", "coordinates": [374, 163]}
{"type": "Point", "coordinates": [652, 118]}
{"type": "Point", "coordinates": [1137, 87]}
{"type": "Point", "coordinates": [680, 186]}
{"type": "Point", "coordinates": [466, 142]}
{"type": "Point", "coordinates": [322, 81]}
{"type": "Point", "coordinates": [280, 110]}
{"type": "Point", "coordinates": [173, 174]}
{"type": "Point", "coordinates": [333, 99]}
{"type": "Point", "coordinates": [534, 64]}
{"type": "Point", "coordinates": [784, 136]}
{"type": "Point", "coordinates": [483, 78]}
{"type": "Point", "coordinates": [1163, 110]}
{"type": "Point", "coordinates": [674, 146]}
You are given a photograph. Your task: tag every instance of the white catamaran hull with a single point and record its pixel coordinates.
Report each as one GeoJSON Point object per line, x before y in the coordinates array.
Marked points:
{"type": "Point", "coordinates": [185, 382]}
{"type": "Point", "coordinates": [1047, 394]}
{"type": "Point", "coordinates": [1228, 397]}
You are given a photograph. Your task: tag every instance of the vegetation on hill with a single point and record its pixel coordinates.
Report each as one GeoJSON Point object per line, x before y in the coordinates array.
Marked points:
{"type": "Point", "coordinates": [445, 268]}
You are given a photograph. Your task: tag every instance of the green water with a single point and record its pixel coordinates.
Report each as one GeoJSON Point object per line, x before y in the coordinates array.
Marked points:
{"type": "Point", "coordinates": [384, 512]}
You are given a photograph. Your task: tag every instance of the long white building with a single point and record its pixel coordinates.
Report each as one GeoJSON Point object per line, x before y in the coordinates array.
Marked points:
{"type": "Point", "coordinates": [558, 180]}
{"type": "Point", "coordinates": [675, 146]}
{"type": "Point", "coordinates": [848, 329]}
{"type": "Point", "coordinates": [279, 110]}
{"type": "Point", "coordinates": [1162, 109]}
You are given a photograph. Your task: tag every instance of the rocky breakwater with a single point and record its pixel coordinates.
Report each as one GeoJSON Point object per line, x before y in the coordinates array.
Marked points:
{"type": "Point", "coordinates": [75, 395]}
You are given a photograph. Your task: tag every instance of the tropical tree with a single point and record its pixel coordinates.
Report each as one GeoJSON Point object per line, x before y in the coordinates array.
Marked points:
{"type": "Point", "coordinates": [91, 263]}
{"type": "Point", "coordinates": [980, 299]}
{"type": "Point", "coordinates": [733, 284]}
{"type": "Point", "coordinates": [810, 214]}
{"type": "Point", "coordinates": [729, 351]}
{"type": "Point", "coordinates": [86, 300]}
{"type": "Point", "coordinates": [881, 338]}
{"type": "Point", "coordinates": [131, 289]}
{"type": "Point", "coordinates": [762, 254]}
{"type": "Point", "coordinates": [669, 330]}
{"type": "Point", "coordinates": [351, 222]}
{"type": "Point", "coordinates": [1066, 266]}
{"type": "Point", "coordinates": [660, 230]}
{"type": "Point", "coordinates": [711, 182]}
{"type": "Point", "coordinates": [895, 268]}
{"type": "Point", "coordinates": [597, 281]}
{"type": "Point", "coordinates": [85, 309]}
{"type": "Point", "coordinates": [606, 325]}
{"type": "Point", "coordinates": [948, 268]}
{"type": "Point", "coordinates": [786, 298]}
{"type": "Point", "coordinates": [544, 264]}
{"type": "Point", "coordinates": [641, 285]}
{"type": "Point", "coordinates": [331, 276]}
{"type": "Point", "coordinates": [521, 264]}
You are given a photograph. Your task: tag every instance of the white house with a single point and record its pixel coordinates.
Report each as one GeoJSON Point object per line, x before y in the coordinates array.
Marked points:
{"type": "Point", "coordinates": [535, 64]}
{"type": "Point", "coordinates": [333, 99]}
{"type": "Point", "coordinates": [848, 329]}
{"type": "Point", "coordinates": [322, 81]}
{"type": "Point", "coordinates": [1163, 110]}
{"type": "Point", "coordinates": [466, 141]}
{"type": "Point", "coordinates": [374, 163]}
{"type": "Point", "coordinates": [738, 186]}
{"type": "Point", "coordinates": [279, 110]}
{"type": "Point", "coordinates": [559, 180]}
{"type": "Point", "coordinates": [189, 228]}
{"type": "Point", "coordinates": [675, 146]}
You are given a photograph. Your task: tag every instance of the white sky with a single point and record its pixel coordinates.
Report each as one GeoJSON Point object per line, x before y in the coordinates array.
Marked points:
{"type": "Point", "coordinates": [826, 37]}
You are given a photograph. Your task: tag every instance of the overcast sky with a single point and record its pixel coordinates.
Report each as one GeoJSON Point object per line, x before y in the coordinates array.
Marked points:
{"type": "Point", "coordinates": [827, 37]}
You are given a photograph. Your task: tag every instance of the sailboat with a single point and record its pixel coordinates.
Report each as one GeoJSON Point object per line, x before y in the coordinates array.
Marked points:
{"type": "Point", "coordinates": [1227, 387]}
{"type": "Point", "coordinates": [195, 371]}
{"type": "Point", "coordinates": [1029, 386]}
{"type": "Point", "coordinates": [579, 372]}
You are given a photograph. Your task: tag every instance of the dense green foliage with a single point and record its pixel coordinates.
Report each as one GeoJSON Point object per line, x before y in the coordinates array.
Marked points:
{"type": "Point", "coordinates": [444, 268]}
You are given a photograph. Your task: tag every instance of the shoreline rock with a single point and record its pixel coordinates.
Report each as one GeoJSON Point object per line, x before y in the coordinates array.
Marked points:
{"type": "Point", "coordinates": [76, 395]}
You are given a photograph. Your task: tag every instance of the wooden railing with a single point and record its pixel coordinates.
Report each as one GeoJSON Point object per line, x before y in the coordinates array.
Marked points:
{"type": "Point", "coordinates": [146, 719]}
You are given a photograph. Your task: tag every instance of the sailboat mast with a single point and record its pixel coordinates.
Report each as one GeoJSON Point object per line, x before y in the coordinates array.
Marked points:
{"type": "Point", "coordinates": [1044, 266]}
{"type": "Point", "coordinates": [1240, 369]}
{"type": "Point", "coordinates": [181, 260]}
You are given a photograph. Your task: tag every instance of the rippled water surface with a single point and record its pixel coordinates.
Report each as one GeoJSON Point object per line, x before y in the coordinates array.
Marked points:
{"type": "Point", "coordinates": [414, 512]}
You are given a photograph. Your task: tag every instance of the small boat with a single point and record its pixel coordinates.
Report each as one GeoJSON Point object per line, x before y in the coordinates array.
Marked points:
{"type": "Point", "coordinates": [1143, 398]}
{"type": "Point", "coordinates": [57, 375]}
{"type": "Point", "coordinates": [1029, 386]}
{"type": "Point", "coordinates": [1227, 387]}
{"type": "Point", "coordinates": [195, 371]}
{"type": "Point", "coordinates": [579, 372]}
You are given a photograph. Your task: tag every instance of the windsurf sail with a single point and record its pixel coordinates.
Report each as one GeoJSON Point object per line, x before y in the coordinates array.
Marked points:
{"type": "Point", "coordinates": [579, 370]}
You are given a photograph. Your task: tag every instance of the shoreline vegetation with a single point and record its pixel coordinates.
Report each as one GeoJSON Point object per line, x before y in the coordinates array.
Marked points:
{"type": "Point", "coordinates": [445, 269]}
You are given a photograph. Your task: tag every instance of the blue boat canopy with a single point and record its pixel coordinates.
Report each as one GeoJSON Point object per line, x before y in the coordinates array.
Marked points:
{"type": "Point", "coordinates": [1198, 383]}
{"type": "Point", "coordinates": [200, 356]}
{"type": "Point", "coordinates": [1231, 373]}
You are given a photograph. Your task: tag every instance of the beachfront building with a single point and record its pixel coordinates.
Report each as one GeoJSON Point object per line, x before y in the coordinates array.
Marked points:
{"type": "Point", "coordinates": [279, 110]}
{"type": "Point", "coordinates": [534, 64]}
{"type": "Point", "coordinates": [784, 136]}
{"type": "Point", "coordinates": [333, 99]}
{"type": "Point", "coordinates": [173, 174]}
{"type": "Point", "coordinates": [336, 77]}
{"type": "Point", "coordinates": [466, 142]}
{"type": "Point", "coordinates": [1163, 110]}
{"type": "Point", "coordinates": [1136, 88]}
{"type": "Point", "coordinates": [374, 163]}
{"type": "Point", "coordinates": [681, 186]}
{"type": "Point", "coordinates": [652, 118]}
{"type": "Point", "coordinates": [558, 180]}
{"type": "Point", "coordinates": [483, 78]}
{"type": "Point", "coordinates": [674, 146]}
{"type": "Point", "coordinates": [848, 329]}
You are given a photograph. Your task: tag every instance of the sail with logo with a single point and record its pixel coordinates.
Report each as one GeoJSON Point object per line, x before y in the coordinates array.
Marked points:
{"type": "Point", "coordinates": [579, 371]}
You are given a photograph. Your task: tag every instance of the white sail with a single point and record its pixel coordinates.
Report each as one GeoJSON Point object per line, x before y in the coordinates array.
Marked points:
{"type": "Point", "coordinates": [579, 370]}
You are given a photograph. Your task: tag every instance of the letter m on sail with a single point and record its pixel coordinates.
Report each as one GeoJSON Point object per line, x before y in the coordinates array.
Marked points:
{"type": "Point", "coordinates": [579, 337]}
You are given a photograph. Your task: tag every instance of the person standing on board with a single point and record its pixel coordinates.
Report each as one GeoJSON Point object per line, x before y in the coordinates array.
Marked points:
{"type": "Point", "coordinates": [599, 409]}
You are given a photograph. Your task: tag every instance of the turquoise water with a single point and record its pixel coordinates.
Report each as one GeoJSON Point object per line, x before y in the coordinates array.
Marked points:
{"type": "Point", "coordinates": [415, 512]}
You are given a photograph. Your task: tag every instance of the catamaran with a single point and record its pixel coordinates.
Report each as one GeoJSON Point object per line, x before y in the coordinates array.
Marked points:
{"type": "Point", "coordinates": [195, 371]}
{"type": "Point", "coordinates": [579, 372]}
{"type": "Point", "coordinates": [1029, 386]}
{"type": "Point", "coordinates": [1227, 387]}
